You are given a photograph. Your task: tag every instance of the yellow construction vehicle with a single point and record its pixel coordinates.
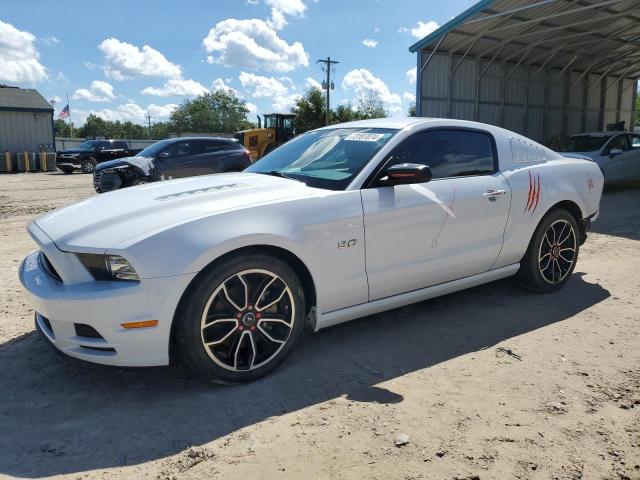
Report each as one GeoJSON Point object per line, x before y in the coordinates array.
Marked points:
{"type": "Point", "coordinates": [278, 128]}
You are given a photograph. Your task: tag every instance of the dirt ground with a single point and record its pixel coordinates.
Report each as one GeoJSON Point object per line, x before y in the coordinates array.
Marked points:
{"type": "Point", "coordinates": [567, 408]}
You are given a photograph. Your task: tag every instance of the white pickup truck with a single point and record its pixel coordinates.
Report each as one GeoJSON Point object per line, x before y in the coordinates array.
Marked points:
{"type": "Point", "coordinates": [223, 272]}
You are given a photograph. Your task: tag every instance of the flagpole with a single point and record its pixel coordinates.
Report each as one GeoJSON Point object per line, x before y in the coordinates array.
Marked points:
{"type": "Point", "coordinates": [70, 122]}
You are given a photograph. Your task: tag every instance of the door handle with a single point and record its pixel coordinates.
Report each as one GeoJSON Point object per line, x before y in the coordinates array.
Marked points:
{"type": "Point", "coordinates": [492, 194]}
{"type": "Point", "coordinates": [188, 162]}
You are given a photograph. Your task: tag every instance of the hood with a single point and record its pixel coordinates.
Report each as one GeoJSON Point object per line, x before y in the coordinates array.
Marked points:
{"type": "Point", "coordinates": [580, 156]}
{"type": "Point", "coordinates": [72, 150]}
{"type": "Point", "coordinates": [111, 219]}
{"type": "Point", "coordinates": [110, 164]}
{"type": "Point", "coordinates": [145, 164]}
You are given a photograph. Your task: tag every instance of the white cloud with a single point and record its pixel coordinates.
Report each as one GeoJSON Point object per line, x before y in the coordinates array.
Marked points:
{"type": "Point", "coordinates": [125, 61]}
{"type": "Point", "coordinates": [176, 87]}
{"type": "Point", "coordinates": [313, 83]}
{"type": "Point", "coordinates": [370, 43]}
{"type": "Point", "coordinates": [376, 29]}
{"type": "Point", "coordinates": [411, 75]}
{"type": "Point", "coordinates": [252, 43]}
{"type": "Point", "coordinates": [221, 84]}
{"type": "Point", "coordinates": [161, 112]}
{"type": "Point", "coordinates": [127, 112]}
{"type": "Point", "coordinates": [284, 103]}
{"type": "Point", "coordinates": [51, 40]}
{"type": "Point", "coordinates": [280, 8]}
{"type": "Point", "coordinates": [19, 59]}
{"type": "Point", "coordinates": [362, 81]}
{"type": "Point", "coordinates": [409, 97]}
{"type": "Point", "coordinates": [55, 99]}
{"type": "Point", "coordinates": [422, 29]}
{"type": "Point", "coordinates": [252, 107]}
{"type": "Point", "coordinates": [260, 86]}
{"type": "Point", "coordinates": [98, 92]}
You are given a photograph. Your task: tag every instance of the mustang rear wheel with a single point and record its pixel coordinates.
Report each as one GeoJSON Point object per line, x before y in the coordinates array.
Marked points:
{"type": "Point", "coordinates": [552, 253]}
{"type": "Point", "coordinates": [242, 319]}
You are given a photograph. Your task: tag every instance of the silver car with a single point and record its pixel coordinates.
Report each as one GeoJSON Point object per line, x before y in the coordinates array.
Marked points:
{"type": "Point", "coordinates": [616, 153]}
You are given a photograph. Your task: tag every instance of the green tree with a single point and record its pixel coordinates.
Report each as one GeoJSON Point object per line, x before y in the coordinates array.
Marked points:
{"type": "Point", "coordinates": [62, 128]}
{"type": "Point", "coordinates": [344, 113]}
{"type": "Point", "coordinates": [216, 112]}
{"type": "Point", "coordinates": [310, 111]}
{"type": "Point", "coordinates": [371, 105]}
{"type": "Point", "coordinates": [412, 110]}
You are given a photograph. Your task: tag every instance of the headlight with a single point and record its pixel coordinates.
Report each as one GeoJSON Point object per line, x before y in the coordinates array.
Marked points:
{"type": "Point", "coordinates": [121, 168]}
{"type": "Point", "coordinates": [109, 267]}
{"type": "Point", "coordinates": [120, 269]}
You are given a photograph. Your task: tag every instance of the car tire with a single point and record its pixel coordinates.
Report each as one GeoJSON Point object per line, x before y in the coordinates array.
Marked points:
{"type": "Point", "coordinates": [552, 253]}
{"type": "Point", "coordinates": [241, 319]}
{"type": "Point", "coordinates": [67, 171]}
{"type": "Point", "coordinates": [88, 166]}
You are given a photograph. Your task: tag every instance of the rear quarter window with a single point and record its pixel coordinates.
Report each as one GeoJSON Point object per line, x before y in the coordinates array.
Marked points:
{"type": "Point", "coordinates": [525, 151]}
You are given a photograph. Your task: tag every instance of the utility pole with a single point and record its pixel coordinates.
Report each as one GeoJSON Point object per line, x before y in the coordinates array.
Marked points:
{"type": "Point", "coordinates": [328, 85]}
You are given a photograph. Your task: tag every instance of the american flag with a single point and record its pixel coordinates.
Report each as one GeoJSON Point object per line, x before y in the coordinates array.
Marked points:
{"type": "Point", "coordinates": [64, 113]}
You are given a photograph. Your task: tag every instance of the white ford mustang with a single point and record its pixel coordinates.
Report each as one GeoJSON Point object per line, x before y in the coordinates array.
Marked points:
{"type": "Point", "coordinates": [223, 272]}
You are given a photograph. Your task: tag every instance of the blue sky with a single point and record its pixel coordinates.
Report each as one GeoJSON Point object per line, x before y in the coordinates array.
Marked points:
{"type": "Point", "coordinates": [125, 59]}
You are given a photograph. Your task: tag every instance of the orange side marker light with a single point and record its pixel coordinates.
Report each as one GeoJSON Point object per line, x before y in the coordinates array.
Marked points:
{"type": "Point", "coordinates": [142, 324]}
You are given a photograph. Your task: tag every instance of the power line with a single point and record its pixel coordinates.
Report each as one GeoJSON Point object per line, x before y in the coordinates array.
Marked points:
{"type": "Point", "coordinates": [328, 84]}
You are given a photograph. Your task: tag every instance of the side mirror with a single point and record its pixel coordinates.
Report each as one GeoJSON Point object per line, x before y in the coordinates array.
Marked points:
{"type": "Point", "coordinates": [163, 155]}
{"type": "Point", "coordinates": [405, 174]}
{"type": "Point", "coordinates": [615, 151]}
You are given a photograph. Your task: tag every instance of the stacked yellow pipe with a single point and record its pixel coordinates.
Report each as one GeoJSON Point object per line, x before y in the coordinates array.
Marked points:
{"type": "Point", "coordinates": [7, 161]}
{"type": "Point", "coordinates": [26, 160]}
{"type": "Point", "coordinates": [43, 161]}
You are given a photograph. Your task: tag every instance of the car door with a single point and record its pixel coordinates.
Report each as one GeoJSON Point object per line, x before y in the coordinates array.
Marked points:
{"type": "Point", "coordinates": [451, 227]}
{"type": "Point", "coordinates": [210, 160]}
{"type": "Point", "coordinates": [634, 156]}
{"type": "Point", "coordinates": [617, 156]}
{"type": "Point", "coordinates": [175, 161]}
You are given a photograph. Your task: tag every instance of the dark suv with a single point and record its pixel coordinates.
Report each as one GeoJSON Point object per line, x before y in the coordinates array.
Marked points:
{"type": "Point", "coordinates": [173, 158]}
{"type": "Point", "coordinates": [92, 152]}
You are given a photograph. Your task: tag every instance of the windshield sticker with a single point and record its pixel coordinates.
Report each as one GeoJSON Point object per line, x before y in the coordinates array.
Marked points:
{"type": "Point", "coordinates": [365, 137]}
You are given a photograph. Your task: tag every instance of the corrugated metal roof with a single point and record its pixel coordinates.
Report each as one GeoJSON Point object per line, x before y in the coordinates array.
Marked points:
{"type": "Point", "coordinates": [23, 98]}
{"type": "Point", "coordinates": [598, 36]}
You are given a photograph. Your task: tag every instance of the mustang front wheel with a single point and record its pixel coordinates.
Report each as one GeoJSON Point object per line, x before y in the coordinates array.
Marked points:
{"type": "Point", "coordinates": [242, 319]}
{"type": "Point", "coordinates": [552, 253]}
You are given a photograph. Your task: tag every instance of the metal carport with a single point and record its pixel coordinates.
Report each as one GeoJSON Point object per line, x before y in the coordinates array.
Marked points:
{"type": "Point", "coordinates": [541, 68]}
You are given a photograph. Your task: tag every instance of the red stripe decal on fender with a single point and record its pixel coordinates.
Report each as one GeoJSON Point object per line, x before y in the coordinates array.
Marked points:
{"type": "Point", "coordinates": [526, 209]}
{"type": "Point", "coordinates": [537, 195]}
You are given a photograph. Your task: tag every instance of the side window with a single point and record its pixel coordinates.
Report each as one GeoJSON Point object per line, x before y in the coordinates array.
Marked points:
{"type": "Point", "coordinates": [619, 142]}
{"type": "Point", "coordinates": [179, 149]}
{"type": "Point", "coordinates": [120, 145]}
{"type": "Point", "coordinates": [449, 153]}
{"type": "Point", "coordinates": [212, 146]}
{"type": "Point", "coordinates": [635, 141]}
{"type": "Point", "coordinates": [106, 146]}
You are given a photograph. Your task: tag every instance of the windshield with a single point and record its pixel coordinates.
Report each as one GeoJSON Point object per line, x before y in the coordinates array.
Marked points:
{"type": "Point", "coordinates": [584, 143]}
{"type": "Point", "coordinates": [153, 150]}
{"type": "Point", "coordinates": [327, 159]}
{"type": "Point", "coordinates": [89, 145]}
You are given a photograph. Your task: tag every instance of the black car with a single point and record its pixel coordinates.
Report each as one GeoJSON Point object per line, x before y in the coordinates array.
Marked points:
{"type": "Point", "coordinates": [173, 158]}
{"type": "Point", "coordinates": [92, 152]}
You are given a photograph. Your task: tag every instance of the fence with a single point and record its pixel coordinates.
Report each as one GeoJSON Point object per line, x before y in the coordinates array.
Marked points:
{"type": "Point", "coordinates": [65, 143]}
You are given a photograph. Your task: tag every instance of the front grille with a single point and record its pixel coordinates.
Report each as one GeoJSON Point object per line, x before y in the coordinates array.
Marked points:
{"type": "Point", "coordinates": [46, 264]}
{"type": "Point", "coordinates": [97, 180]}
{"type": "Point", "coordinates": [87, 331]}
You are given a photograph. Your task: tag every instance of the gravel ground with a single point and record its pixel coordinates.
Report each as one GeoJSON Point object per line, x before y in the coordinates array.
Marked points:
{"type": "Point", "coordinates": [426, 391]}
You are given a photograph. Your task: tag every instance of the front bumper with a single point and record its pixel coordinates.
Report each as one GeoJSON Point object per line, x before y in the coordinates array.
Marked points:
{"type": "Point", "coordinates": [104, 306]}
